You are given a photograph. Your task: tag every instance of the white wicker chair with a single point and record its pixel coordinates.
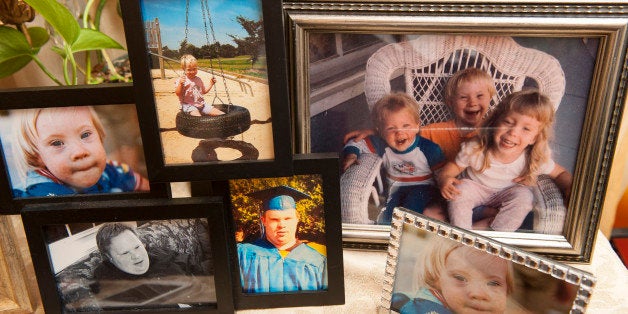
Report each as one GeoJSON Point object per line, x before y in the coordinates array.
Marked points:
{"type": "Point", "coordinates": [427, 63]}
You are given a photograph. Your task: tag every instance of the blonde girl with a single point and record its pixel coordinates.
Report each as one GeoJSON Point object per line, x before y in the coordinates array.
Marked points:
{"type": "Point", "coordinates": [502, 163]}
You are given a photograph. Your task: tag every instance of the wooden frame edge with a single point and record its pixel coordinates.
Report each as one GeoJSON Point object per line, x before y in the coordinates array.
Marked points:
{"type": "Point", "coordinates": [18, 293]}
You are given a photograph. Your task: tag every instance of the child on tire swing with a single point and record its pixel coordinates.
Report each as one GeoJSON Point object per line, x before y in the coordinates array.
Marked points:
{"type": "Point", "coordinates": [190, 90]}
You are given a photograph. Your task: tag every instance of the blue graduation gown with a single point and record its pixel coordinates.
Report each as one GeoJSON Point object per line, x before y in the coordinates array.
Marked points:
{"type": "Point", "coordinates": [262, 269]}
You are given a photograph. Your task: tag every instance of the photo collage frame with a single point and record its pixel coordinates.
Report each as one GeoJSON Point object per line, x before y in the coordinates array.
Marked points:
{"type": "Point", "coordinates": [276, 114]}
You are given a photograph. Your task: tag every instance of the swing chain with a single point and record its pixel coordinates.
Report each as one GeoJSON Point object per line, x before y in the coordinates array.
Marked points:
{"type": "Point", "coordinates": [187, 13]}
{"type": "Point", "coordinates": [205, 8]}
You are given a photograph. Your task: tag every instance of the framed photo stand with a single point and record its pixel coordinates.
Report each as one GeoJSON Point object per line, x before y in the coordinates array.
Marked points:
{"type": "Point", "coordinates": [434, 266]}
{"type": "Point", "coordinates": [345, 56]}
{"type": "Point", "coordinates": [131, 256]}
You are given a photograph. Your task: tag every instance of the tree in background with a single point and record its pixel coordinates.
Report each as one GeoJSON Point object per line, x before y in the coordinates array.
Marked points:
{"type": "Point", "coordinates": [253, 44]}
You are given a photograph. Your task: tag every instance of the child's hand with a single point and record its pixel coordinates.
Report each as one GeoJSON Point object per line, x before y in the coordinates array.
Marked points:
{"type": "Point", "coordinates": [213, 80]}
{"type": "Point", "coordinates": [357, 136]}
{"type": "Point", "coordinates": [181, 81]}
{"type": "Point", "coordinates": [448, 188]}
{"type": "Point", "coordinates": [349, 160]}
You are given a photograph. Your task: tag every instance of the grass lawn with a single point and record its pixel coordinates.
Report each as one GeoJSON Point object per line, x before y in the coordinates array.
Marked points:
{"type": "Point", "coordinates": [238, 65]}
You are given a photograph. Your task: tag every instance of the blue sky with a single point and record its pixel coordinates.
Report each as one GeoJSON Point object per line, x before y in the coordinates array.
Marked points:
{"type": "Point", "coordinates": [171, 15]}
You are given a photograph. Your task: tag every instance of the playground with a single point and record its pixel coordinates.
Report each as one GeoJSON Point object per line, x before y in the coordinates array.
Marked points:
{"type": "Point", "coordinates": [247, 92]}
{"type": "Point", "coordinates": [244, 132]}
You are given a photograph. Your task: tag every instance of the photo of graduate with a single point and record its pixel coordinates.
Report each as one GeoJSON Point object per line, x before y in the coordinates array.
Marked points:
{"type": "Point", "coordinates": [285, 254]}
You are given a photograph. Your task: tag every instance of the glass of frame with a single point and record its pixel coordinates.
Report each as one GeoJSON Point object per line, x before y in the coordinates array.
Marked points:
{"type": "Point", "coordinates": [94, 53]}
{"type": "Point", "coordinates": [428, 259]}
{"type": "Point", "coordinates": [305, 226]}
{"type": "Point", "coordinates": [236, 77]}
{"type": "Point", "coordinates": [344, 62]}
{"type": "Point", "coordinates": [53, 153]}
{"type": "Point", "coordinates": [121, 255]}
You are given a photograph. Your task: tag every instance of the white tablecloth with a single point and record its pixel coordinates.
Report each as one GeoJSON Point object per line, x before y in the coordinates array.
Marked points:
{"type": "Point", "coordinates": [364, 275]}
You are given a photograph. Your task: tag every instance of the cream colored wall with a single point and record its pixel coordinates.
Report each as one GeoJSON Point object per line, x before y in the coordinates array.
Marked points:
{"type": "Point", "coordinates": [618, 177]}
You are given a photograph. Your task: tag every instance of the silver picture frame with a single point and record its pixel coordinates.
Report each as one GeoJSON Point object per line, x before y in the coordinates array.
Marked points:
{"type": "Point", "coordinates": [419, 266]}
{"type": "Point", "coordinates": [596, 125]}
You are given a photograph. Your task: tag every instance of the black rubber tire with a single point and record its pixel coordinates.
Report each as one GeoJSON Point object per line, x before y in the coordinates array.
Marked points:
{"type": "Point", "coordinates": [236, 120]}
{"type": "Point", "coordinates": [206, 150]}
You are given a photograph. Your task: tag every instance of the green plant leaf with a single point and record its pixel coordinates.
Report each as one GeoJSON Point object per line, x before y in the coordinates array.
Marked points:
{"type": "Point", "coordinates": [57, 15]}
{"type": "Point", "coordinates": [39, 36]}
{"type": "Point", "coordinates": [90, 39]}
{"type": "Point", "coordinates": [12, 44]}
{"type": "Point", "coordinates": [13, 65]}
{"type": "Point", "coordinates": [15, 52]}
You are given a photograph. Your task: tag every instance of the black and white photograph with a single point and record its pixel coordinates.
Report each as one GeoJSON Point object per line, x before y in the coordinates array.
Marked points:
{"type": "Point", "coordinates": [152, 263]}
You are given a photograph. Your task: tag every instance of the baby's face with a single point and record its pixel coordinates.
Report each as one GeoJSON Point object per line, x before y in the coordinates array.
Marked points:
{"type": "Point", "coordinates": [70, 147]}
{"type": "Point", "coordinates": [474, 282]}
{"type": "Point", "coordinates": [399, 129]}
{"type": "Point", "coordinates": [191, 69]}
{"type": "Point", "coordinates": [471, 103]}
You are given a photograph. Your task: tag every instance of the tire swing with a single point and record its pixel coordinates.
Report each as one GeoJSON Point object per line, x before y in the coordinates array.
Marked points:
{"type": "Point", "coordinates": [236, 119]}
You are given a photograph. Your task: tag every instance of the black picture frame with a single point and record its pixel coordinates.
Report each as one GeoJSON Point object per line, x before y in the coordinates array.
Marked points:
{"type": "Point", "coordinates": [327, 168]}
{"type": "Point", "coordinates": [161, 171]}
{"type": "Point", "coordinates": [53, 97]}
{"type": "Point", "coordinates": [36, 217]}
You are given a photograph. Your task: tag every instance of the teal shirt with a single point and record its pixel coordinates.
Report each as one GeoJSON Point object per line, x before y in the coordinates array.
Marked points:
{"type": "Point", "coordinates": [262, 268]}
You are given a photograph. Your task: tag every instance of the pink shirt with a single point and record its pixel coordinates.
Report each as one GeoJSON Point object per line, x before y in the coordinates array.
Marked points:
{"type": "Point", "coordinates": [192, 92]}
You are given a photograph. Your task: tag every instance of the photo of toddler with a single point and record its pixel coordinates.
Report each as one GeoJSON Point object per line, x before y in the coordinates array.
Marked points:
{"type": "Point", "coordinates": [455, 278]}
{"type": "Point", "coordinates": [451, 277]}
{"type": "Point", "coordinates": [408, 158]}
{"type": "Point", "coordinates": [190, 89]}
{"type": "Point", "coordinates": [60, 151]}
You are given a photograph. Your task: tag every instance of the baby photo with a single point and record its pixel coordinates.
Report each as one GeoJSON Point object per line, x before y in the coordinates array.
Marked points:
{"type": "Point", "coordinates": [413, 118]}
{"type": "Point", "coordinates": [437, 274]}
{"type": "Point", "coordinates": [64, 151]}
{"type": "Point", "coordinates": [211, 84]}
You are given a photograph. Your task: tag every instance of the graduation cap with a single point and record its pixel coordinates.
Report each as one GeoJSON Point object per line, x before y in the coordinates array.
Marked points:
{"type": "Point", "coordinates": [279, 197]}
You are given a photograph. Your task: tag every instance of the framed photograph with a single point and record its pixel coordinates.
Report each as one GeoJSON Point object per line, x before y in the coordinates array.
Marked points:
{"type": "Point", "coordinates": [34, 33]}
{"type": "Point", "coordinates": [128, 256]}
{"type": "Point", "coordinates": [344, 58]}
{"type": "Point", "coordinates": [69, 150]}
{"type": "Point", "coordinates": [211, 81]}
{"type": "Point", "coordinates": [287, 237]}
{"type": "Point", "coordinates": [437, 268]}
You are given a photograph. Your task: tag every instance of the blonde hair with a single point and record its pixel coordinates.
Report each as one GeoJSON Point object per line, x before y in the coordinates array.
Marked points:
{"type": "Point", "coordinates": [187, 59]}
{"type": "Point", "coordinates": [28, 136]}
{"type": "Point", "coordinates": [526, 102]}
{"type": "Point", "coordinates": [465, 76]}
{"type": "Point", "coordinates": [431, 264]}
{"type": "Point", "coordinates": [392, 103]}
